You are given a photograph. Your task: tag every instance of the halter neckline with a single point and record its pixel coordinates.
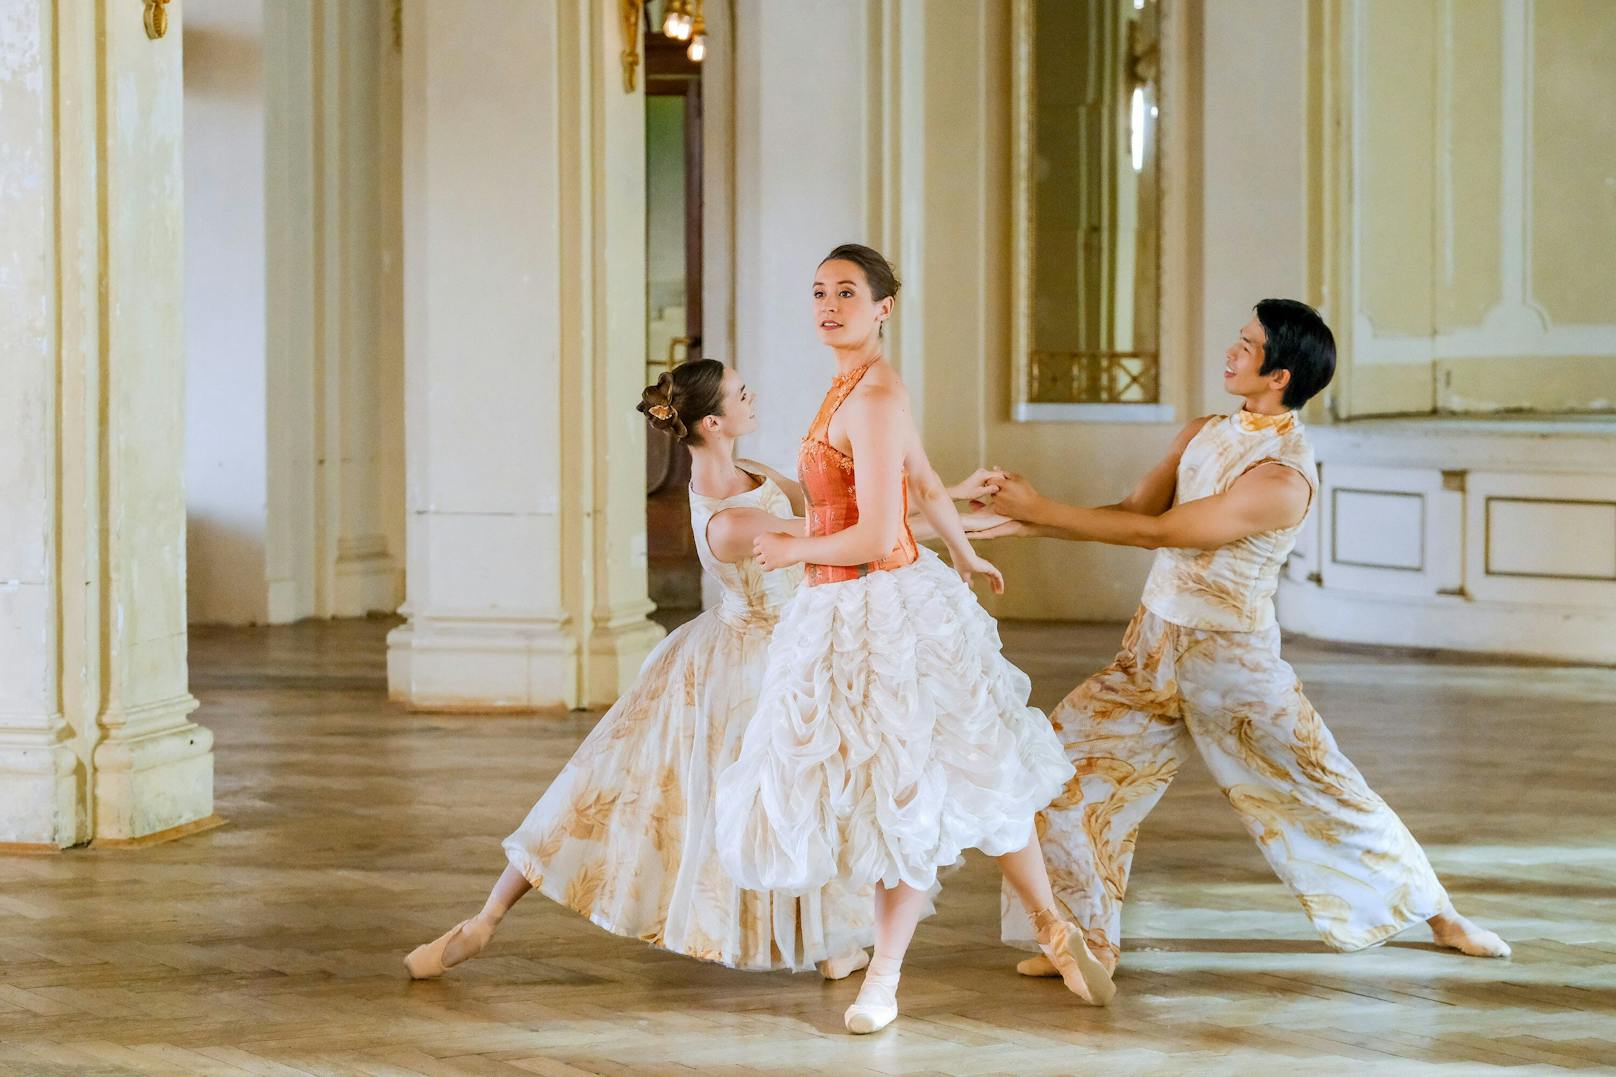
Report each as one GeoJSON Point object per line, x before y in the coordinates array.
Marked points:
{"type": "Point", "coordinates": [854, 374]}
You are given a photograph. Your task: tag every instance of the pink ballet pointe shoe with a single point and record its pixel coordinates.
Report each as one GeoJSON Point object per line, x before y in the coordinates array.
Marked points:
{"type": "Point", "coordinates": [427, 960]}
{"type": "Point", "coordinates": [1039, 965]}
{"type": "Point", "coordinates": [1084, 974]}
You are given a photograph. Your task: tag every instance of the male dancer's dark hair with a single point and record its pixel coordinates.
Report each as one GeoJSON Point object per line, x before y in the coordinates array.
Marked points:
{"type": "Point", "coordinates": [1300, 342]}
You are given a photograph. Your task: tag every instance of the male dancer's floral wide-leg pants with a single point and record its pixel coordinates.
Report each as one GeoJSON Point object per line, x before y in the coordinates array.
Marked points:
{"type": "Point", "coordinates": [1352, 863]}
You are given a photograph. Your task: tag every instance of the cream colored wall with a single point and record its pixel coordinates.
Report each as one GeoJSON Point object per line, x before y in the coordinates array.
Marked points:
{"type": "Point", "coordinates": [801, 161]}
{"type": "Point", "coordinates": [1469, 534]}
{"type": "Point", "coordinates": [524, 210]}
{"type": "Point", "coordinates": [1464, 244]}
{"type": "Point", "coordinates": [362, 357]}
{"type": "Point", "coordinates": [295, 449]}
{"type": "Point", "coordinates": [225, 304]}
{"type": "Point", "coordinates": [922, 170]}
{"type": "Point", "coordinates": [1252, 245]}
{"type": "Point", "coordinates": [1472, 228]}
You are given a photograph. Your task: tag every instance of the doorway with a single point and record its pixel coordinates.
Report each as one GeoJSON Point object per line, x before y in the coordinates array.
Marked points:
{"type": "Point", "coordinates": [673, 227]}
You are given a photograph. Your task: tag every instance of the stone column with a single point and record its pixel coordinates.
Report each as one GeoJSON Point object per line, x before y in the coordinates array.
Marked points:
{"type": "Point", "coordinates": [524, 345]}
{"type": "Point", "coordinates": [95, 736]}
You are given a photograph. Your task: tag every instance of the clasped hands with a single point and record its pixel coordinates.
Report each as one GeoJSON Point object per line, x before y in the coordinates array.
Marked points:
{"type": "Point", "coordinates": [1007, 509]}
{"type": "Point", "coordinates": [999, 500]}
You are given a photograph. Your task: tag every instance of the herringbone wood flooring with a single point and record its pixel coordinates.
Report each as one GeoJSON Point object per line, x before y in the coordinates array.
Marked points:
{"type": "Point", "coordinates": [357, 830]}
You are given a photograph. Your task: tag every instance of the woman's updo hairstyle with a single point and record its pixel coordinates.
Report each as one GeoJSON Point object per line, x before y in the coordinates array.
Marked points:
{"type": "Point", "coordinates": [877, 270]}
{"type": "Point", "coordinates": [684, 396]}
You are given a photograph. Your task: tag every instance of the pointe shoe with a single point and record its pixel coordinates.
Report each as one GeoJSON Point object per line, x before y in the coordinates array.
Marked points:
{"type": "Point", "coordinates": [840, 968]}
{"type": "Point", "coordinates": [876, 1006]}
{"type": "Point", "coordinates": [1037, 965]}
{"type": "Point", "coordinates": [426, 961]}
{"type": "Point", "coordinates": [1084, 974]}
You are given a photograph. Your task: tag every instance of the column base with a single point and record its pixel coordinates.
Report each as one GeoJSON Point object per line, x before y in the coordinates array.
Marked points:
{"type": "Point", "coordinates": [41, 786]}
{"type": "Point", "coordinates": [153, 773]}
{"type": "Point", "coordinates": [616, 653]}
{"type": "Point", "coordinates": [480, 666]}
{"type": "Point", "coordinates": [173, 833]}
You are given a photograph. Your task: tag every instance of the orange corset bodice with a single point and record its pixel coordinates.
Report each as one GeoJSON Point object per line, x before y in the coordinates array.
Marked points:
{"type": "Point", "coordinates": [829, 488]}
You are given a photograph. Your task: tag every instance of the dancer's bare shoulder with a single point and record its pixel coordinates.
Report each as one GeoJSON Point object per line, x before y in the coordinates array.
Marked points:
{"type": "Point", "coordinates": [881, 382]}
{"type": "Point", "coordinates": [1274, 493]}
{"type": "Point", "coordinates": [880, 396]}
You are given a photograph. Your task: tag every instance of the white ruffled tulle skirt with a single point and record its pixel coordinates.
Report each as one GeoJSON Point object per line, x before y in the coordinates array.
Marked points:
{"type": "Point", "coordinates": [891, 735]}
{"type": "Point", "coordinates": [624, 834]}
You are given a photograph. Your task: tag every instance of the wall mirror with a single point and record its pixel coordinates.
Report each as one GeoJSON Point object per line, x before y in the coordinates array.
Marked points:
{"type": "Point", "coordinates": [1088, 210]}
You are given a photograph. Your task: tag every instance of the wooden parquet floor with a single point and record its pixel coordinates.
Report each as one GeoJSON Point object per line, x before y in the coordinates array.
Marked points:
{"type": "Point", "coordinates": [357, 830]}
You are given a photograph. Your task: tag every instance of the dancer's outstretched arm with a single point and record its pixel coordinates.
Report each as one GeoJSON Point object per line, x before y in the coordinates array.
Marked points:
{"type": "Point", "coordinates": [978, 484]}
{"type": "Point", "coordinates": [731, 533]}
{"type": "Point", "coordinates": [1268, 497]}
{"type": "Point", "coordinates": [1151, 496]}
{"type": "Point", "coordinates": [981, 483]}
{"type": "Point", "coordinates": [1154, 493]}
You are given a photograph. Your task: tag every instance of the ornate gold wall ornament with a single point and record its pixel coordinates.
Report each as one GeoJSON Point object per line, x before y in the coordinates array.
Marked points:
{"type": "Point", "coordinates": [631, 14]}
{"type": "Point", "coordinates": [156, 18]}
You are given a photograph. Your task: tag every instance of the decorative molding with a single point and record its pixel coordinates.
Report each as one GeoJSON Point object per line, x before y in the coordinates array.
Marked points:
{"type": "Point", "coordinates": [1022, 105]}
{"type": "Point", "coordinates": [161, 837]}
{"type": "Point", "coordinates": [630, 15]}
{"type": "Point", "coordinates": [1517, 324]}
{"type": "Point", "coordinates": [1335, 520]}
{"type": "Point", "coordinates": [1487, 537]}
{"type": "Point", "coordinates": [1449, 622]}
{"type": "Point", "coordinates": [156, 18]}
{"type": "Point", "coordinates": [1464, 468]}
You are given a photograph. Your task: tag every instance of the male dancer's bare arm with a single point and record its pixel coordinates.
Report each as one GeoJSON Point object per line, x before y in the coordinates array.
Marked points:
{"type": "Point", "coordinates": [1151, 496]}
{"type": "Point", "coordinates": [1268, 497]}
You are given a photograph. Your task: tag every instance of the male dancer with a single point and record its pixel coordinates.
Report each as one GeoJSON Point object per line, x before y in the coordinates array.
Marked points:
{"type": "Point", "coordinates": [1200, 663]}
